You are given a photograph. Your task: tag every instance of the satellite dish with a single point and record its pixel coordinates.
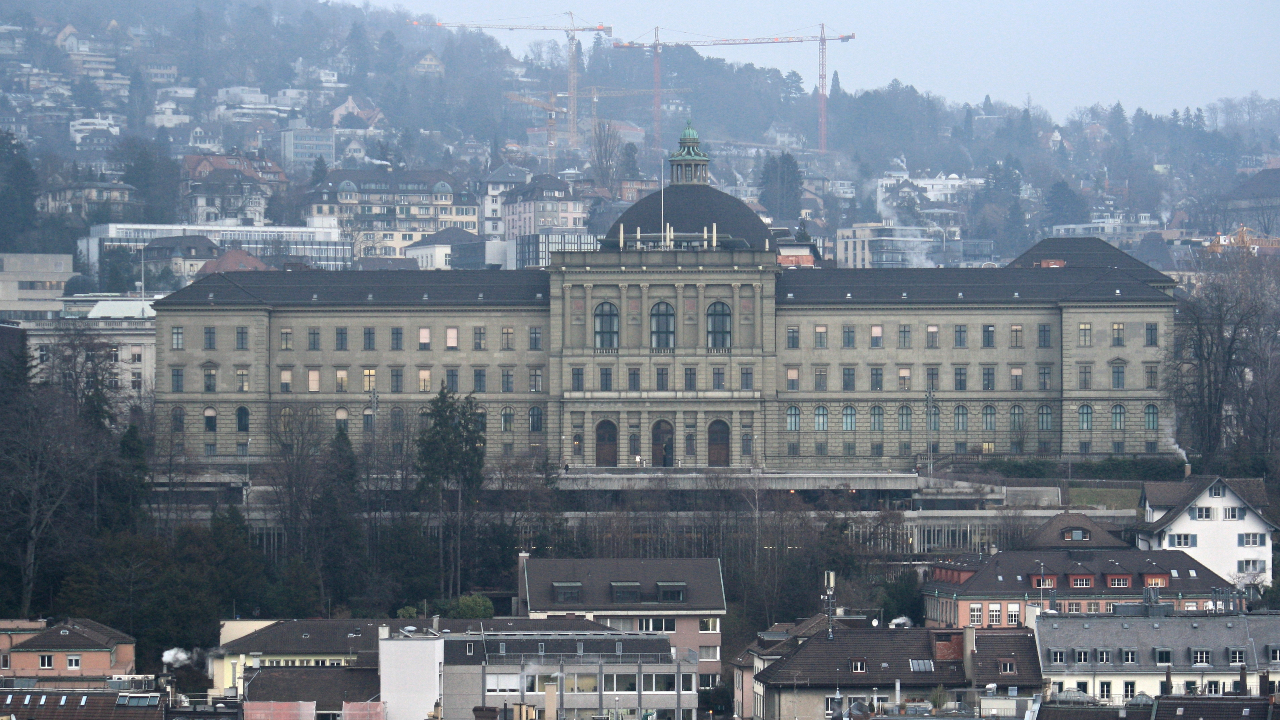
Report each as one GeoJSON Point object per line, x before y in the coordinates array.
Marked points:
{"type": "Point", "coordinates": [875, 622]}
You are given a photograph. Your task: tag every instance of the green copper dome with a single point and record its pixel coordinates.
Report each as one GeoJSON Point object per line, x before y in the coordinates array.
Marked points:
{"type": "Point", "coordinates": [689, 133]}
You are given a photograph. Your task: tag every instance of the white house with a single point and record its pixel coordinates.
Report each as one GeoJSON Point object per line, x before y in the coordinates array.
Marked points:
{"type": "Point", "coordinates": [1217, 521]}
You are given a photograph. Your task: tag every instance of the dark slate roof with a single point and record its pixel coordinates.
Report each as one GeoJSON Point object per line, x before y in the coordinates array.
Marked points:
{"type": "Point", "coordinates": [690, 209]}
{"type": "Point", "coordinates": [448, 236]}
{"type": "Point", "coordinates": [996, 646]}
{"type": "Point", "coordinates": [1176, 497]}
{"type": "Point", "coordinates": [507, 173]}
{"type": "Point", "coordinates": [184, 241]}
{"type": "Point", "coordinates": [887, 653]}
{"type": "Point", "coordinates": [962, 286]}
{"type": "Point", "coordinates": [1090, 252]}
{"type": "Point", "coordinates": [314, 637]}
{"type": "Point", "coordinates": [1008, 573]}
{"type": "Point", "coordinates": [1180, 633]}
{"type": "Point", "coordinates": [499, 288]}
{"type": "Point", "coordinates": [1198, 707]}
{"type": "Point", "coordinates": [365, 264]}
{"type": "Point", "coordinates": [96, 706]}
{"type": "Point", "coordinates": [539, 186]}
{"type": "Point", "coordinates": [1264, 184]}
{"type": "Point", "coordinates": [76, 634]}
{"type": "Point", "coordinates": [1049, 535]}
{"type": "Point", "coordinates": [327, 687]}
{"type": "Point", "coordinates": [1052, 711]}
{"type": "Point", "coordinates": [521, 625]}
{"type": "Point", "coordinates": [455, 652]}
{"type": "Point", "coordinates": [704, 584]}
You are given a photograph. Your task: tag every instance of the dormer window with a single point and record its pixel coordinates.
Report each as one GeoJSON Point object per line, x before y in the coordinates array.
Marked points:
{"type": "Point", "coordinates": [567, 593]}
{"type": "Point", "coordinates": [858, 666]}
{"type": "Point", "coordinates": [1216, 490]}
{"type": "Point", "coordinates": [626, 592]}
{"type": "Point", "coordinates": [1043, 581]}
{"type": "Point", "coordinates": [1075, 534]}
{"type": "Point", "coordinates": [671, 592]}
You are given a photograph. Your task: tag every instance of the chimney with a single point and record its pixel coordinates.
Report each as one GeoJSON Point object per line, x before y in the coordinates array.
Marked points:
{"type": "Point", "coordinates": [435, 623]}
{"type": "Point", "coordinates": [1244, 681]}
{"type": "Point", "coordinates": [522, 584]}
{"type": "Point", "coordinates": [384, 632]}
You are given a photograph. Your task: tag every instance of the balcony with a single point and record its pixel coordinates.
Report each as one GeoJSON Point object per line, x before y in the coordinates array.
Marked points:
{"type": "Point", "coordinates": [606, 351]}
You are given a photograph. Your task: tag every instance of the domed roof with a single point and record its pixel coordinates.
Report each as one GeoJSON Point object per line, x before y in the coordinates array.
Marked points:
{"type": "Point", "coordinates": [689, 133]}
{"type": "Point", "coordinates": [690, 209]}
{"type": "Point", "coordinates": [442, 188]}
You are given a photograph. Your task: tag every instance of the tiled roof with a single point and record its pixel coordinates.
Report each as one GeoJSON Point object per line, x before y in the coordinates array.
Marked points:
{"type": "Point", "coordinates": [71, 705]}
{"type": "Point", "coordinates": [1180, 633]}
{"type": "Point", "coordinates": [448, 236]}
{"type": "Point", "coordinates": [1049, 535]}
{"type": "Point", "coordinates": [703, 583]}
{"type": "Point", "coordinates": [1264, 184]}
{"type": "Point", "coordinates": [75, 634]}
{"type": "Point", "coordinates": [327, 687]}
{"type": "Point", "coordinates": [315, 637]}
{"type": "Point", "coordinates": [1009, 573]}
{"type": "Point", "coordinates": [477, 288]}
{"type": "Point", "coordinates": [1184, 707]}
{"type": "Point", "coordinates": [1175, 497]}
{"type": "Point", "coordinates": [887, 655]}
{"type": "Point", "coordinates": [996, 647]}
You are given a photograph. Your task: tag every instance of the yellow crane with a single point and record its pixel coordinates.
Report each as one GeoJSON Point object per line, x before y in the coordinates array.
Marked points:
{"type": "Point", "coordinates": [551, 109]}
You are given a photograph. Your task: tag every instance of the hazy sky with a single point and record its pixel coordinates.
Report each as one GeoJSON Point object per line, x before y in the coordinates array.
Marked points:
{"type": "Point", "coordinates": [1145, 53]}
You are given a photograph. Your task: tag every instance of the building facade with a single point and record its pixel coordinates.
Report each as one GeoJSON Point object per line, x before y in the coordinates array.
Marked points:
{"type": "Point", "coordinates": [31, 285]}
{"type": "Point", "coordinates": [324, 246]}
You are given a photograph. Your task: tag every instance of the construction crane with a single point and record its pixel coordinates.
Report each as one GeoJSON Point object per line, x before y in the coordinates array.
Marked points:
{"type": "Point", "coordinates": [570, 31]}
{"type": "Point", "coordinates": [821, 38]}
{"type": "Point", "coordinates": [551, 109]}
{"type": "Point", "coordinates": [598, 92]}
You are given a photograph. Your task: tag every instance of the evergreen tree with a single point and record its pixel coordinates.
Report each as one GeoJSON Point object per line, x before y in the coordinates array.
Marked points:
{"type": "Point", "coordinates": [1015, 226]}
{"type": "Point", "coordinates": [836, 90]}
{"type": "Point", "coordinates": [629, 166]}
{"type": "Point", "coordinates": [319, 171]}
{"type": "Point", "coordinates": [1064, 206]}
{"type": "Point", "coordinates": [18, 187]}
{"type": "Point", "coordinates": [988, 107]}
{"type": "Point", "coordinates": [780, 186]}
{"type": "Point", "coordinates": [389, 53]}
{"type": "Point", "coordinates": [451, 467]}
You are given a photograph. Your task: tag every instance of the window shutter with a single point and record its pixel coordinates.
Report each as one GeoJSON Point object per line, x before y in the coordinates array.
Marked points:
{"type": "Point", "coordinates": [1240, 540]}
{"type": "Point", "coordinates": [1193, 541]}
{"type": "Point", "coordinates": [1191, 512]}
{"type": "Point", "coordinates": [1241, 512]}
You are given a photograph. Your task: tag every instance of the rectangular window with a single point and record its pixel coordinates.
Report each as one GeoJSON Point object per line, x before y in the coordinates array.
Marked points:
{"type": "Point", "coordinates": [1182, 540]}
{"type": "Point", "coordinates": [931, 337]}
{"type": "Point", "coordinates": [961, 378]}
{"type": "Point", "coordinates": [988, 336]}
{"type": "Point", "coordinates": [975, 615]}
{"type": "Point", "coordinates": [904, 336]}
{"type": "Point", "coordinates": [606, 379]}
{"type": "Point", "coordinates": [1015, 336]}
{"type": "Point", "coordinates": [451, 379]}
{"type": "Point", "coordinates": [1117, 334]}
{"type": "Point", "coordinates": [478, 338]}
{"type": "Point", "coordinates": [793, 337]}
{"type": "Point", "coordinates": [242, 338]}
{"type": "Point", "coordinates": [1015, 379]}
{"type": "Point", "coordinates": [748, 378]}
{"type": "Point", "coordinates": [1153, 377]}
{"type": "Point", "coordinates": [820, 336]}
{"type": "Point", "coordinates": [508, 338]}
{"type": "Point", "coordinates": [848, 336]}
{"type": "Point", "coordinates": [988, 378]}
{"type": "Point", "coordinates": [176, 341]}
{"type": "Point", "coordinates": [576, 379]}
{"type": "Point", "coordinates": [820, 379]}
{"type": "Point", "coordinates": [1045, 336]}
{"type": "Point", "coordinates": [242, 380]}
{"type": "Point", "coordinates": [313, 338]}
{"type": "Point", "coordinates": [1046, 376]}
{"type": "Point", "coordinates": [877, 449]}
{"type": "Point", "coordinates": [747, 444]}
{"type": "Point", "coordinates": [424, 338]}
{"type": "Point", "coordinates": [847, 379]}
{"type": "Point", "coordinates": [286, 339]}
{"type": "Point", "coordinates": [877, 378]}
{"type": "Point", "coordinates": [1130, 689]}
{"type": "Point", "coordinates": [962, 336]}
{"type": "Point", "coordinates": [1251, 566]}
{"type": "Point", "coordinates": [508, 380]}
{"type": "Point", "coordinates": [904, 378]}
{"type": "Point", "coordinates": [1086, 377]}
{"type": "Point", "coordinates": [340, 381]}
{"type": "Point", "coordinates": [478, 379]}
{"type": "Point", "coordinates": [1153, 334]}
{"type": "Point", "coordinates": [340, 338]}
{"type": "Point", "coordinates": [397, 380]}
{"type": "Point", "coordinates": [370, 338]}
{"type": "Point", "coordinates": [210, 338]}
{"type": "Point", "coordinates": [313, 381]}
{"type": "Point", "coordinates": [877, 336]}
{"type": "Point", "coordinates": [210, 380]}
{"type": "Point", "coordinates": [1104, 690]}
{"type": "Point", "coordinates": [993, 614]}
{"type": "Point", "coordinates": [661, 378]}
{"type": "Point", "coordinates": [535, 380]}
{"type": "Point", "coordinates": [1117, 377]}
{"type": "Point", "coordinates": [633, 379]}
{"type": "Point", "coordinates": [1119, 582]}
{"type": "Point", "coordinates": [397, 338]}
{"type": "Point", "coordinates": [535, 338]}
{"type": "Point", "coordinates": [286, 381]}
{"type": "Point", "coordinates": [1251, 539]}
{"type": "Point", "coordinates": [451, 338]}
{"type": "Point", "coordinates": [176, 380]}
{"type": "Point", "coordinates": [690, 379]}
{"type": "Point", "coordinates": [1015, 614]}
{"type": "Point", "coordinates": [1085, 337]}
{"type": "Point", "coordinates": [46, 662]}
{"type": "Point", "coordinates": [424, 381]}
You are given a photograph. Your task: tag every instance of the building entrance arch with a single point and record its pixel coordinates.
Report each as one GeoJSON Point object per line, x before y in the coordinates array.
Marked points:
{"type": "Point", "coordinates": [664, 448]}
{"type": "Point", "coordinates": [606, 444]}
{"type": "Point", "coordinates": [718, 444]}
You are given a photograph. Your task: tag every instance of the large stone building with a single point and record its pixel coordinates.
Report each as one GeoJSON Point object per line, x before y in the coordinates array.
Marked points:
{"type": "Point", "coordinates": [684, 344]}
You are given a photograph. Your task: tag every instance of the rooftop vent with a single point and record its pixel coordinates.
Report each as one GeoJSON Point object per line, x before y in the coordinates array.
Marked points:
{"type": "Point", "coordinates": [791, 296]}
{"type": "Point", "coordinates": [960, 295]}
{"type": "Point", "coordinates": [904, 296]}
{"type": "Point", "coordinates": [210, 296]}
{"type": "Point", "coordinates": [1015, 293]}
{"type": "Point", "coordinates": [370, 296]}
{"type": "Point", "coordinates": [315, 297]}
{"type": "Point", "coordinates": [424, 296]}
{"type": "Point", "coordinates": [481, 296]}
{"type": "Point", "coordinates": [539, 296]}
{"type": "Point", "coordinates": [848, 296]}
{"type": "Point", "coordinates": [1117, 291]}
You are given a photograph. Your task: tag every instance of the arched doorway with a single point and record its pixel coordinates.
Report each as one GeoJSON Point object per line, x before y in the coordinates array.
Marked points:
{"type": "Point", "coordinates": [718, 444]}
{"type": "Point", "coordinates": [664, 449]}
{"type": "Point", "coordinates": [606, 444]}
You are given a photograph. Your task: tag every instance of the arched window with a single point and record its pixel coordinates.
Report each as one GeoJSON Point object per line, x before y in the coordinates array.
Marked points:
{"type": "Point", "coordinates": [849, 419]}
{"type": "Point", "coordinates": [793, 419]}
{"type": "Point", "coordinates": [935, 418]}
{"type": "Point", "coordinates": [286, 419]}
{"type": "Point", "coordinates": [535, 419]}
{"type": "Point", "coordinates": [719, 326]}
{"type": "Point", "coordinates": [210, 420]}
{"type": "Point", "coordinates": [508, 419]}
{"type": "Point", "coordinates": [662, 326]}
{"type": "Point", "coordinates": [397, 419]}
{"type": "Point", "coordinates": [1016, 417]}
{"type": "Point", "coordinates": [877, 419]}
{"type": "Point", "coordinates": [1044, 418]}
{"type": "Point", "coordinates": [820, 419]}
{"type": "Point", "coordinates": [242, 419]}
{"type": "Point", "coordinates": [633, 444]}
{"type": "Point", "coordinates": [904, 418]}
{"type": "Point", "coordinates": [962, 418]}
{"type": "Point", "coordinates": [340, 419]}
{"type": "Point", "coordinates": [988, 418]}
{"type": "Point", "coordinates": [1151, 415]}
{"type": "Point", "coordinates": [178, 418]}
{"type": "Point", "coordinates": [606, 325]}
{"type": "Point", "coordinates": [1117, 417]}
{"type": "Point", "coordinates": [1086, 417]}
{"type": "Point", "coordinates": [366, 422]}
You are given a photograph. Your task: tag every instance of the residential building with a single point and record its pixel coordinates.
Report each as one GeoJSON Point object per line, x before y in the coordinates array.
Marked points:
{"type": "Point", "coordinates": [183, 255]}
{"type": "Point", "coordinates": [347, 692]}
{"type": "Point", "coordinates": [1218, 521]}
{"type": "Point", "coordinates": [880, 666]}
{"type": "Point", "coordinates": [323, 247]}
{"type": "Point", "coordinates": [77, 652]}
{"type": "Point", "coordinates": [998, 590]}
{"type": "Point", "coordinates": [301, 145]}
{"type": "Point", "coordinates": [90, 201]}
{"type": "Point", "coordinates": [1114, 227]}
{"type": "Point", "coordinates": [542, 203]}
{"type": "Point", "coordinates": [771, 645]}
{"type": "Point", "coordinates": [681, 597]}
{"type": "Point", "coordinates": [124, 325]}
{"type": "Point", "coordinates": [1149, 648]}
{"type": "Point", "coordinates": [1077, 531]}
{"type": "Point", "coordinates": [535, 250]}
{"type": "Point", "coordinates": [31, 285]}
{"type": "Point", "coordinates": [266, 174]}
{"type": "Point", "coordinates": [434, 251]}
{"type": "Point", "coordinates": [505, 177]}
{"type": "Point", "coordinates": [224, 197]}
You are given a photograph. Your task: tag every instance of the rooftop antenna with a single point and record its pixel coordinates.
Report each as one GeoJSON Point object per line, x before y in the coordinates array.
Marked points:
{"type": "Point", "coordinates": [829, 601]}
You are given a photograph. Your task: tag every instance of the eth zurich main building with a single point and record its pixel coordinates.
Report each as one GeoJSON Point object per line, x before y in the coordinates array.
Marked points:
{"type": "Point", "coordinates": [681, 342]}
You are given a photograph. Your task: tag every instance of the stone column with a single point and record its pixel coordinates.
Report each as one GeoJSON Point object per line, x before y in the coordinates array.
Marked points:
{"type": "Point", "coordinates": [589, 318]}
{"type": "Point", "coordinates": [644, 313]}
{"type": "Point", "coordinates": [566, 300]}
{"type": "Point", "coordinates": [680, 333]}
{"type": "Point", "coordinates": [757, 293]}
{"type": "Point", "coordinates": [735, 336]}
{"type": "Point", "coordinates": [701, 339]}
{"type": "Point", "coordinates": [623, 325]}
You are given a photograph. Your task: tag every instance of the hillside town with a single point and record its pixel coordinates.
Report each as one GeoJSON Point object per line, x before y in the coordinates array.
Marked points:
{"type": "Point", "coordinates": [358, 367]}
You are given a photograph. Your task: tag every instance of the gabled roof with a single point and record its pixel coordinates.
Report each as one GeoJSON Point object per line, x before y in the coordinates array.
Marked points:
{"type": "Point", "coordinates": [887, 654]}
{"type": "Point", "coordinates": [1264, 184]}
{"type": "Point", "coordinates": [1009, 573]}
{"type": "Point", "coordinates": [1050, 534]}
{"type": "Point", "coordinates": [1088, 252]}
{"type": "Point", "coordinates": [1185, 707]}
{"type": "Point", "coordinates": [595, 578]}
{"type": "Point", "coordinates": [1175, 498]}
{"type": "Point", "coordinates": [327, 687]}
{"type": "Point", "coordinates": [233, 260]}
{"type": "Point", "coordinates": [447, 236]}
{"type": "Point", "coordinates": [998, 646]}
{"type": "Point", "coordinates": [507, 173]}
{"type": "Point", "coordinates": [316, 637]}
{"type": "Point", "coordinates": [75, 634]}
{"type": "Point", "coordinates": [81, 705]}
